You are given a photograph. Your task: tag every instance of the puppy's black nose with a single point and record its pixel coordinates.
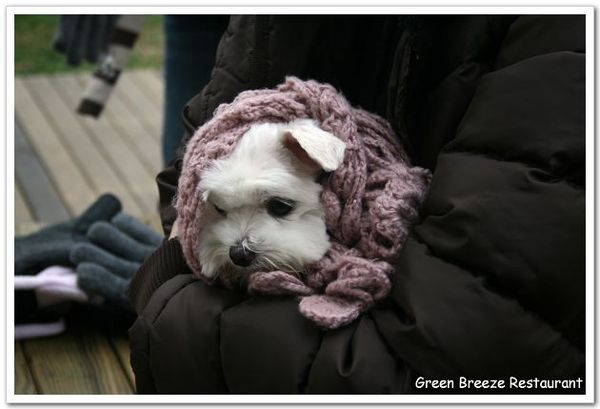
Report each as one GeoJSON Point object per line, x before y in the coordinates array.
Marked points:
{"type": "Point", "coordinates": [241, 256]}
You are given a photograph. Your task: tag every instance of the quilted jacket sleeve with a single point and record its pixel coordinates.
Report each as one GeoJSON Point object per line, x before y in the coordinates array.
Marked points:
{"type": "Point", "coordinates": [492, 282]}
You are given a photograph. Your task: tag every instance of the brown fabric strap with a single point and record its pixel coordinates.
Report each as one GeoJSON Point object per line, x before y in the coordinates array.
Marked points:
{"type": "Point", "coordinates": [165, 263]}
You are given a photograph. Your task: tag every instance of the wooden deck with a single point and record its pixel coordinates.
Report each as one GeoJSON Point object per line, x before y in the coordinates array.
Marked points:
{"type": "Point", "coordinates": [63, 162]}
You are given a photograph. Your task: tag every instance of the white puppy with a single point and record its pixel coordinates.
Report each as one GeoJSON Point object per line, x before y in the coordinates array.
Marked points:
{"type": "Point", "coordinates": [263, 202]}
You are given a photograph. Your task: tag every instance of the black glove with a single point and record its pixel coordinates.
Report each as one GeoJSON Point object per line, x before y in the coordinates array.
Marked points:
{"type": "Point", "coordinates": [52, 245]}
{"type": "Point", "coordinates": [115, 251]}
{"type": "Point", "coordinates": [82, 37]}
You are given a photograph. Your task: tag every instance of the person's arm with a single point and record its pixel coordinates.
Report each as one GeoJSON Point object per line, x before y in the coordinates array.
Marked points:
{"type": "Point", "coordinates": [166, 262]}
{"type": "Point", "coordinates": [492, 282]}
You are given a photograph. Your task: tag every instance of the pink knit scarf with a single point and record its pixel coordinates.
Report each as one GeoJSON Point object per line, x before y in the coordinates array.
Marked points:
{"type": "Point", "coordinates": [370, 201]}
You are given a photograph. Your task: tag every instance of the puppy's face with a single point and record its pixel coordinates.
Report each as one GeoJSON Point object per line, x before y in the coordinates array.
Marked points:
{"type": "Point", "coordinates": [263, 209]}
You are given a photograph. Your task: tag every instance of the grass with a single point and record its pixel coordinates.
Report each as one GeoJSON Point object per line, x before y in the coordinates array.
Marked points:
{"type": "Point", "coordinates": [34, 53]}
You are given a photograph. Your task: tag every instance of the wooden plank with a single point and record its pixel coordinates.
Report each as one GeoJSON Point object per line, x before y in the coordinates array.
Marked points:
{"type": "Point", "coordinates": [158, 74]}
{"type": "Point", "coordinates": [138, 180]}
{"type": "Point", "coordinates": [26, 228]}
{"type": "Point", "coordinates": [119, 115]}
{"type": "Point", "coordinates": [45, 203]}
{"type": "Point", "coordinates": [70, 184]}
{"type": "Point", "coordinates": [145, 108]}
{"type": "Point", "coordinates": [80, 361]}
{"type": "Point", "coordinates": [149, 83]}
{"type": "Point", "coordinates": [84, 152]}
{"type": "Point", "coordinates": [22, 212]}
{"type": "Point", "coordinates": [120, 345]}
{"type": "Point", "coordinates": [24, 383]}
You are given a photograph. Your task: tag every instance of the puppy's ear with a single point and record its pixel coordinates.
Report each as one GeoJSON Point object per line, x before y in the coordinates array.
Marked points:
{"type": "Point", "coordinates": [203, 185]}
{"type": "Point", "coordinates": [314, 146]}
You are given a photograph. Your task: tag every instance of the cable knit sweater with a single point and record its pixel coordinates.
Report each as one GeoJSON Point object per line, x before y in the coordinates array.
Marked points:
{"type": "Point", "coordinates": [370, 201]}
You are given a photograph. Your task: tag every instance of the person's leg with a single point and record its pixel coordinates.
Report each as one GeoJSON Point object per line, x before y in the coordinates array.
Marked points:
{"type": "Point", "coordinates": [190, 46]}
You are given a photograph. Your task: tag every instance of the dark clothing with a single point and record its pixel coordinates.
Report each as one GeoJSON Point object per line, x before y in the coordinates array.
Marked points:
{"type": "Point", "coordinates": [490, 284]}
{"type": "Point", "coordinates": [190, 47]}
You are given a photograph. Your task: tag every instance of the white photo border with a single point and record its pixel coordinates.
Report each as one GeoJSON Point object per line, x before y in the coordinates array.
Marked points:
{"type": "Point", "coordinates": [385, 7]}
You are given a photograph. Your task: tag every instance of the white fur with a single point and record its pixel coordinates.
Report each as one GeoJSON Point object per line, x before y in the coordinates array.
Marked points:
{"type": "Point", "coordinates": [321, 146]}
{"type": "Point", "coordinates": [258, 169]}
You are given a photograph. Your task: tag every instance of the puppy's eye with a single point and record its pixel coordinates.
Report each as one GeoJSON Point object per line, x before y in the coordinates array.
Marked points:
{"type": "Point", "coordinates": [218, 209]}
{"type": "Point", "coordinates": [278, 207]}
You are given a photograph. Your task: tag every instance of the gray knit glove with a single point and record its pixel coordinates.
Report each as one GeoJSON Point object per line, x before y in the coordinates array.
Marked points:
{"type": "Point", "coordinates": [114, 253]}
{"type": "Point", "coordinates": [82, 37]}
{"type": "Point", "coordinates": [51, 246]}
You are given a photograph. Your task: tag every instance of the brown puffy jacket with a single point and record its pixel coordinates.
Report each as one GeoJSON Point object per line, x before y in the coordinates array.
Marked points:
{"type": "Point", "coordinates": [491, 282]}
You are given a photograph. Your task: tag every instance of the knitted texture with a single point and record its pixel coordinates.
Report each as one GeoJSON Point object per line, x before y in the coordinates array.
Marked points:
{"type": "Point", "coordinates": [113, 252]}
{"type": "Point", "coordinates": [370, 201]}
